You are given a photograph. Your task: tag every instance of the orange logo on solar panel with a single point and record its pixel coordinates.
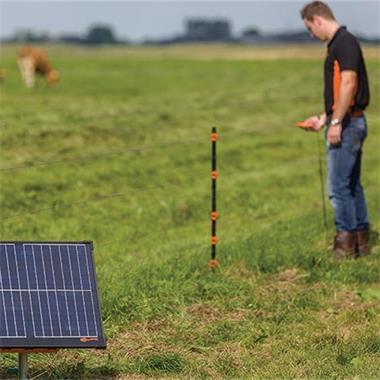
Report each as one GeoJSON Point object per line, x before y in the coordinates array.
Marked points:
{"type": "Point", "coordinates": [85, 340]}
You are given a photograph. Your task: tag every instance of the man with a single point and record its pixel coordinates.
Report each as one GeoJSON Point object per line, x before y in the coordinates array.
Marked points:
{"type": "Point", "coordinates": [33, 61]}
{"type": "Point", "coordinates": [346, 96]}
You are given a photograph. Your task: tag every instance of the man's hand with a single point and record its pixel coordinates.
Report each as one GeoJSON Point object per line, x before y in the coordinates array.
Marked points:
{"type": "Point", "coordinates": [314, 123]}
{"type": "Point", "coordinates": [334, 134]}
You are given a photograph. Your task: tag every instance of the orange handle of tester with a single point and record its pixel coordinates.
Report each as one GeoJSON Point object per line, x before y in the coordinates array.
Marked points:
{"type": "Point", "coordinates": [302, 124]}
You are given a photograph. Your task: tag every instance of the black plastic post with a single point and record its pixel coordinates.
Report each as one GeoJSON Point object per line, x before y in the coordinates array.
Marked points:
{"type": "Point", "coordinates": [214, 175]}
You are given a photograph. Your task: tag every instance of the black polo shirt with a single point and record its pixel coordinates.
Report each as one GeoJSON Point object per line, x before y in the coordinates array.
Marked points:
{"type": "Point", "coordinates": [344, 53]}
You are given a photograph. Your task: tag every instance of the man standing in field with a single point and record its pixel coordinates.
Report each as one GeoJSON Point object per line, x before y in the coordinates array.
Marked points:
{"type": "Point", "coordinates": [346, 96]}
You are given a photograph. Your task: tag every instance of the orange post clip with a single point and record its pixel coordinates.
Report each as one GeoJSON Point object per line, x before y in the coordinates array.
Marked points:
{"type": "Point", "coordinates": [214, 215]}
{"type": "Point", "coordinates": [213, 263]}
{"type": "Point", "coordinates": [214, 174]}
{"type": "Point", "coordinates": [214, 136]}
{"type": "Point", "coordinates": [214, 240]}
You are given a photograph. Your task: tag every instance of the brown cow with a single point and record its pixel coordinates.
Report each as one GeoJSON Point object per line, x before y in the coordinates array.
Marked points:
{"type": "Point", "coordinates": [33, 61]}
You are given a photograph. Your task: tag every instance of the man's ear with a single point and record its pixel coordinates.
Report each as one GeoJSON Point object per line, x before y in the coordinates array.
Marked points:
{"type": "Point", "coordinates": [318, 20]}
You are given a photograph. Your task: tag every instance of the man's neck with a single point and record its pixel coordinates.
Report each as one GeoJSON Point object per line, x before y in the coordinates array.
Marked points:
{"type": "Point", "coordinates": [332, 29]}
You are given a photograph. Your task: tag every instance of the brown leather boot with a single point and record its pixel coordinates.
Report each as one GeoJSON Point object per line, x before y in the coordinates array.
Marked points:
{"type": "Point", "coordinates": [363, 247]}
{"type": "Point", "coordinates": [344, 244]}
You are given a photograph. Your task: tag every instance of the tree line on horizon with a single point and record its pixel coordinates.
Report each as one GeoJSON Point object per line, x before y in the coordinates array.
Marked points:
{"type": "Point", "coordinates": [196, 30]}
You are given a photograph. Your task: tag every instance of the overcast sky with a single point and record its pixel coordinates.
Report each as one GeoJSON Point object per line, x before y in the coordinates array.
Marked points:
{"type": "Point", "coordinates": [137, 20]}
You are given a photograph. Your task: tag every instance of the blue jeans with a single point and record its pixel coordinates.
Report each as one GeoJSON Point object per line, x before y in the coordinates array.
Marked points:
{"type": "Point", "coordinates": [344, 188]}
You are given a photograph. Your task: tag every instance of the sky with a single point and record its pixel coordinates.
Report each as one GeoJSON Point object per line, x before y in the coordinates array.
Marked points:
{"type": "Point", "coordinates": [137, 20]}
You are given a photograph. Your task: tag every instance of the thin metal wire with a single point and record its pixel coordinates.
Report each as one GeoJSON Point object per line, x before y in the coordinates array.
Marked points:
{"type": "Point", "coordinates": [159, 232]}
{"type": "Point", "coordinates": [135, 149]}
{"type": "Point", "coordinates": [321, 180]}
{"type": "Point", "coordinates": [47, 209]}
{"type": "Point", "coordinates": [57, 203]}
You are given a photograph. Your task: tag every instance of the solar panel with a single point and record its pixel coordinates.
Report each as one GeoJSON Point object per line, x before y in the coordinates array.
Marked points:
{"type": "Point", "coordinates": [48, 296]}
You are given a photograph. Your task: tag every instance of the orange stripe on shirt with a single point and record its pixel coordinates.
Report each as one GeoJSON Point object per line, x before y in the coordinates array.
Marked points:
{"type": "Point", "coordinates": [336, 83]}
{"type": "Point", "coordinates": [336, 86]}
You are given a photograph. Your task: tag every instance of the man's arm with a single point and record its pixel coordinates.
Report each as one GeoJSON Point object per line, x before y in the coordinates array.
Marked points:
{"type": "Point", "coordinates": [347, 89]}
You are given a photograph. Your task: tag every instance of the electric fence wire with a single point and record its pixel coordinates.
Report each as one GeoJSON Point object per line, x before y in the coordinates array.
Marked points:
{"type": "Point", "coordinates": [124, 194]}
{"type": "Point", "coordinates": [130, 150]}
{"type": "Point", "coordinates": [147, 190]}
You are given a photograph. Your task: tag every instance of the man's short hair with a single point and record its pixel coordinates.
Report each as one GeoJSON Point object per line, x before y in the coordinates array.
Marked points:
{"type": "Point", "coordinates": [317, 8]}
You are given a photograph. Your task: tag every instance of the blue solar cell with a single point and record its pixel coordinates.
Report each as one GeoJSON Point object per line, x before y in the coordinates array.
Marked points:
{"type": "Point", "coordinates": [48, 296]}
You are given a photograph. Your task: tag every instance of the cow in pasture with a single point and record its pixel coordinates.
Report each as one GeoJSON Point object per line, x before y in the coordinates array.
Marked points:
{"type": "Point", "coordinates": [31, 61]}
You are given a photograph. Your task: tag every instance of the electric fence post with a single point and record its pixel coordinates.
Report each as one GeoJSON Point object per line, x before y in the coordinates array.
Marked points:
{"type": "Point", "coordinates": [213, 263]}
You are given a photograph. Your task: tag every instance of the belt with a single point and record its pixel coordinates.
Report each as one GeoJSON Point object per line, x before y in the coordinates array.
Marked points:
{"type": "Point", "coordinates": [349, 115]}
{"type": "Point", "coordinates": [359, 113]}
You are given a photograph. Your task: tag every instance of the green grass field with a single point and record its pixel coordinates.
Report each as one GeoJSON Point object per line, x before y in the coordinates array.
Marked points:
{"type": "Point", "coordinates": [119, 153]}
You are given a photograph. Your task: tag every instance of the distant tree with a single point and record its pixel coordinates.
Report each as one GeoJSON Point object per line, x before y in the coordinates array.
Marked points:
{"type": "Point", "coordinates": [72, 39]}
{"type": "Point", "coordinates": [100, 34]}
{"type": "Point", "coordinates": [28, 35]}
{"type": "Point", "coordinates": [251, 32]}
{"type": "Point", "coordinates": [207, 30]}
